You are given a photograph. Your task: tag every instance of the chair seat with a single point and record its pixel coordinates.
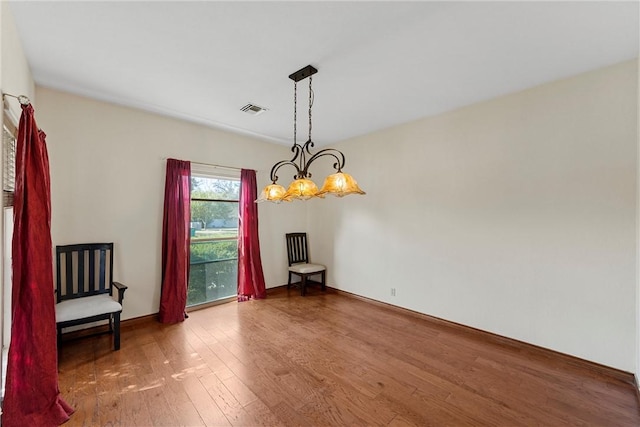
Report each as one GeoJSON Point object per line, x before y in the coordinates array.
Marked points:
{"type": "Point", "coordinates": [80, 308]}
{"type": "Point", "coordinates": [307, 268]}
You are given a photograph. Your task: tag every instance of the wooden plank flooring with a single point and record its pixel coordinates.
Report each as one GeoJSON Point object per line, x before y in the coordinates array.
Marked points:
{"type": "Point", "coordinates": [330, 360]}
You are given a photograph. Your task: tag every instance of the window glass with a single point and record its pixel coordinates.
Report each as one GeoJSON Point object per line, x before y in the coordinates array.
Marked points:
{"type": "Point", "coordinates": [214, 239]}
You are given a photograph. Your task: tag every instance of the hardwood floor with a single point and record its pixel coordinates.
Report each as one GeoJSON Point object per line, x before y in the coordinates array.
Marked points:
{"type": "Point", "coordinates": [330, 359]}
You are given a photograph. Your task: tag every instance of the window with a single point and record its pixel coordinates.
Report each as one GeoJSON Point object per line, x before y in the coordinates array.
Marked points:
{"type": "Point", "coordinates": [214, 239]}
{"type": "Point", "coordinates": [9, 157]}
{"type": "Point", "coordinates": [9, 132]}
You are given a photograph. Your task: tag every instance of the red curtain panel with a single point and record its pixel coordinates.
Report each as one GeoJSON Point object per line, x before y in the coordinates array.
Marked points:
{"type": "Point", "coordinates": [250, 276]}
{"type": "Point", "coordinates": [175, 241]}
{"type": "Point", "coordinates": [32, 397]}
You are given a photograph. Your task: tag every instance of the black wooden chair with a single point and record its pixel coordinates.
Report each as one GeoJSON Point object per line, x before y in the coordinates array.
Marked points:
{"type": "Point", "coordinates": [298, 254]}
{"type": "Point", "coordinates": [84, 288]}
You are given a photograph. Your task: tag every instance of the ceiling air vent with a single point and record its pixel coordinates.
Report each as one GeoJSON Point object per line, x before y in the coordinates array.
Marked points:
{"type": "Point", "coordinates": [253, 109]}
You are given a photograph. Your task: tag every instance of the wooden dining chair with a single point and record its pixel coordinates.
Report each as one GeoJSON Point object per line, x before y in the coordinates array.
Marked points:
{"type": "Point", "coordinates": [299, 265]}
{"type": "Point", "coordinates": [85, 288]}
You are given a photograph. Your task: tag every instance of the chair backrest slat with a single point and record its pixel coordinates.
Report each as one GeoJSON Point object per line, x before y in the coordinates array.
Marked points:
{"type": "Point", "coordinates": [69, 277]}
{"type": "Point", "coordinates": [92, 271]}
{"type": "Point", "coordinates": [80, 273]}
{"type": "Point", "coordinates": [102, 270]}
{"type": "Point", "coordinates": [77, 274]}
{"type": "Point", "coordinates": [297, 251]}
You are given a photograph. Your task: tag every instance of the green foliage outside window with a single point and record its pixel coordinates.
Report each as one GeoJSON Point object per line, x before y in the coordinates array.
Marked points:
{"type": "Point", "coordinates": [214, 214]}
{"type": "Point", "coordinates": [213, 271]}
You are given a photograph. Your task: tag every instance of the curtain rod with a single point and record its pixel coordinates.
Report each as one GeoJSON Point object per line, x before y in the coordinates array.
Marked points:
{"type": "Point", "coordinates": [218, 166]}
{"type": "Point", "coordinates": [212, 165]}
{"type": "Point", "coordinates": [24, 100]}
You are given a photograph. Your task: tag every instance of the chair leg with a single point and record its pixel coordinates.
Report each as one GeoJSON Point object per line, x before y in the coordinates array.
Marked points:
{"type": "Point", "coordinates": [322, 278]}
{"type": "Point", "coordinates": [289, 282]}
{"type": "Point", "coordinates": [116, 331]}
{"type": "Point", "coordinates": [303, 284]}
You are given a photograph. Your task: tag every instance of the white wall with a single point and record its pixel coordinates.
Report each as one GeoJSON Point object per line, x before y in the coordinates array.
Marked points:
{"type": "Point", "coordinates": [16, 75]}
{"type": "Point", "coordinates": [107, 184]}
{"type": "Point", "coordinates": [515, 216]}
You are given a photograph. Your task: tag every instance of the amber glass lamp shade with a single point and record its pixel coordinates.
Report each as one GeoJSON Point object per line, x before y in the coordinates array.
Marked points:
{"type": "Point", "coordinates": [272, 193]}
{"type": "Point", "coordinates": [303, 189]}
{"type": "Point", "coordinates": [340, 184]}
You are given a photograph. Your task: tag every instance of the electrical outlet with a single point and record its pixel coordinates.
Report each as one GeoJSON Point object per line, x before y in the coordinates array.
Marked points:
{"type": "Point", "coordinates": [393, 292]}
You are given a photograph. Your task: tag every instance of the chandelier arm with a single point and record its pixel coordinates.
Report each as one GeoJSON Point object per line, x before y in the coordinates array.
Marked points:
{"type": "Point", "coordinates": [281, 163]}
{"type": "Point", "coordinates": [327, 152]}
{"type": "Point", "coordinates": [295, 149]}
{"type": "Point", "coordinates": [308, 146]}
{"type": "Point", "coordinates": [303, 157]}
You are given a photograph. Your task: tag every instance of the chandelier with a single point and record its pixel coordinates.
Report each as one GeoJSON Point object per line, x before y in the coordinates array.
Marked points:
{"type": "Point", "coordinates": [338, 184]}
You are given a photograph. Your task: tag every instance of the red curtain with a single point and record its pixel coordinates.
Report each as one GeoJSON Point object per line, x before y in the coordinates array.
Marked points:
{"type": "Point", "coordinates": [250, 275]}
{"type": "Point", "coordinates": [175, 241]}
{"type": "Point", "coordinates": [32, 397]}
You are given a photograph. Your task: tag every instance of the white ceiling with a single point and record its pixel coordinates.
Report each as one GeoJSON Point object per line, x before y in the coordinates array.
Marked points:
{"type": "Point", "coordinates": [380, 63]}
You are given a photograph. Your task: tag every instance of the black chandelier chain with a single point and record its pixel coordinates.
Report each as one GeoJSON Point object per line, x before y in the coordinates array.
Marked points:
{"type": "Point", "coordinates": [295, 112]}
{"type": "Point", "coordinates": [310, 105]}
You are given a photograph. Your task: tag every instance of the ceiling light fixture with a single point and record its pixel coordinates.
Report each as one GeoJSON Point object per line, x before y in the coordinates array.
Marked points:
{"type": "Point", "coordinates": [338, 184]}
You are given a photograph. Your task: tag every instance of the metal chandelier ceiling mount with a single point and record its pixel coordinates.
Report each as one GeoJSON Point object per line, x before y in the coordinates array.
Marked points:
{"type": "Point", "coordinates": [338, 184]}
